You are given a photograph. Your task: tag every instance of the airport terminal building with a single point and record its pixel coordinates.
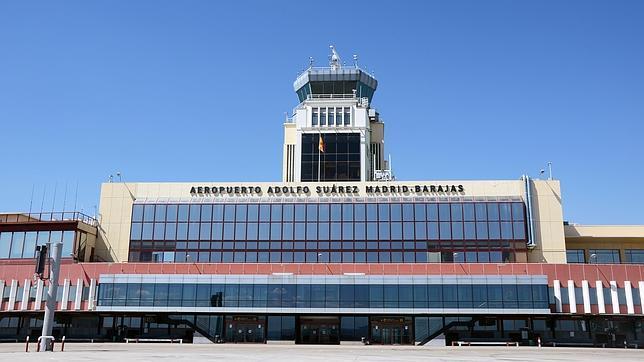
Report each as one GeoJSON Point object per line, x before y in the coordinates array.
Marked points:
{"type": "Point", "coordinates": [338, 251]}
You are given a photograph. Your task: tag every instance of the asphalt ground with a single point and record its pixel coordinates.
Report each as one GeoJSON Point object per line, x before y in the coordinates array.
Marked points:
{"type": "Point", "coordinates": [12, 352]}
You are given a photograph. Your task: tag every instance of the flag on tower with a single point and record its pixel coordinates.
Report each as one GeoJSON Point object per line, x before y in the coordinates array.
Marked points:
{"type": "Point", "coordinates": [321, 145]}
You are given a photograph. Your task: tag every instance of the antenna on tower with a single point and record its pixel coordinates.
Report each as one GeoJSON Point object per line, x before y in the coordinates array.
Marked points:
{"type": "Point", "coordinates": [335, 62]}
{"type": "Point", "coordinates": [311, 61]}
{"type": "Point", "coordinates": [355, 60]}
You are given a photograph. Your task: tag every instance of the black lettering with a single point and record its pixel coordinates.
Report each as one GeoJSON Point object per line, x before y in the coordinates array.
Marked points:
{"type": "Point", "coordinates": [432, 188]}
{"type": "Point", "coordinates": [460, 188]}
{"type": "Point", "coordinates": [417, 188]}
{"type": "Point", "coordinates": [369, 189]}
{"type": "Point", "coordinates": [258, 190]}
{"type": "Point", "coordinates": [192, 190]}
{"type": "Point", "coordinates": [306, 189]}
{"type": "Point", "coordinates": [318, 189]}
{"type": "Point", "coordinates": [355, 189]}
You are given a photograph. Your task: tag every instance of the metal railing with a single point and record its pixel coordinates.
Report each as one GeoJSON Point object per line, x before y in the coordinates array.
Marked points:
{"type": "Point", "coordinates": [37, 217]}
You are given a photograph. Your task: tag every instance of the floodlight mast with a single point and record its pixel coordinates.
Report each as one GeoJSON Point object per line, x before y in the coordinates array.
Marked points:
{"type": "Point", "coordinates": [46, 342]}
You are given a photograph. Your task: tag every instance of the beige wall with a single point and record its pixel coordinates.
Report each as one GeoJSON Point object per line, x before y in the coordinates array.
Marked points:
{"type": "Point", "coordinates": [620, 237]}
{"type": "Point", "coordinates": [117, 199]}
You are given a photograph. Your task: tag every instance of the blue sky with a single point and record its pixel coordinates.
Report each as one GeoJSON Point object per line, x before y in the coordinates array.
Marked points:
{"type": "Point", "coordinates": [468, 90]}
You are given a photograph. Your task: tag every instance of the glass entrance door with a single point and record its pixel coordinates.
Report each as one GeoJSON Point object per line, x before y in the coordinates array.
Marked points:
{"type": "Point", "coordinates": [245, 329]}
{"type": "Point", "coordinates": [319, 330]}
{"type": "Point", "coordinates": [391, 330]}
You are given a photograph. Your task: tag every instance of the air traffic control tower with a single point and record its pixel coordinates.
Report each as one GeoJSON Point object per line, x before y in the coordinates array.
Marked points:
{"type": "Point", "coordinates": [333, 134]}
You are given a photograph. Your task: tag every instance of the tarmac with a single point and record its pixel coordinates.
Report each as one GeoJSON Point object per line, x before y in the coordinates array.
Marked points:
{"type": "Point", "coordinates": [266, 352]}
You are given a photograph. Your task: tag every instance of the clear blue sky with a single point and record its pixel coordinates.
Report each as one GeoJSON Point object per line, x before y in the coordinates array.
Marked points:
{"type": "Point", "coordinates": [468, 90]}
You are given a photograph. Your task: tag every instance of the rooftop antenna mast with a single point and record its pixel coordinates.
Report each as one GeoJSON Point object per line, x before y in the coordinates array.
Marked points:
{"type": "Point", "coordinates": [335, 61]}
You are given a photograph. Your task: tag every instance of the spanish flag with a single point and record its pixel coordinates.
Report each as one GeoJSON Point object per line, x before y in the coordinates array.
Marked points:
{"type": "Point", "coordinates": [321, 144]}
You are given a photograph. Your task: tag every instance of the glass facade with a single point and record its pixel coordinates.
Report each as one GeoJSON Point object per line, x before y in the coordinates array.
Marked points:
{"type": "Point", "coordinates": [340, 160]}
{"type": "Point", "coordinates": [327, 296]}
{"type": "Point", "coordinates": [634, 256]}
{"type": "Point", "coordinates": [575, 256]}
{"type": "Point", "coordinates": [603, 256]}
{"type": "Point", "coordinates": [22, 244]}
{"type": "Point", "coordinates": [410, 232]}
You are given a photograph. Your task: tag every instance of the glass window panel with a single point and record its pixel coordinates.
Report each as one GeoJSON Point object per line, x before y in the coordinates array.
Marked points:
{"type": "Point", "coordinates": [182, 213]}
{"type": "Point", "coordinates": [148, 213]}
{"type": "Point", "coordinates": [493, 211]}
{"type": "Point", "coordinates": [276, 212]}
{"type": "Point", "coordinates": [506, 230]}
{"type": "Point", "coordinates": [517, 211]}
{"type": "Point", "coordinates": [206, 213]}
{"type": "Point", "coordinates": [347, 231]}
{"type": "Point", "coordinates": [432, 212]}
{"type": "Point", "coordinates": [287, 213]}
{"type": "Point", "coordinates": [193, 231]}
{"type": "Point", "coordinates": [240, 231]}
{"type": "Point", "coordinates": [360, 231]}
{"type": "Point", "coordinates": [518, 228]}
{"type": "Point", "coordinates": [505, 211]}
{"type": "Point", "coordinates": [359, 212]}
{"type": "Point", "coordinates": [445, 231]}
{"type": "Point", "coordinates": [170, 231]}
{"type": "Point", "coordinates": [43, 238]}
{"type": "Point", "coordinates": [372, 231]}
{"type": "Point", "coordinates": [135, 233]}
{"type": "Point", "coordinates": [276, 231]}
{"type": "Point", "coordinates": [229, 231]}
{"type": "Point", "coordinates": [323, 212]}
{"type": "Point", "coordinates": [347, 212]}
{"type": "Point", "coordinates": [396, 212]}
{"type": "Point", "coordinates": [30, 244]}
{"type": "Point", "coordinates": [494, 230]}
{"type": "Point", "coordinates": [312, 212]}
{"type": "Point", "coordinates": [229, 213]}
{"type": "Point", "coordinates": [432, 231]}
{"type": "Point", "coordinates": [419, 212]}
{"type": "Point", "coordinates": [216, 233]}
{"type": "Point", "coordinates": [336, 231]}
{"type": "Point", "coordinates": [137, 213]}
{"type": "Point", "coordinates": [481, 212]}
{"type": "Point", "coordinates": [159, 213]}
{"type": "Point", "coordinates": [469, 230]}
{"type": "Point", "coordinates": [17, 244]}
{"type": "Point", "coordinates": [444, 212]}
{"type": "Point", "coordinates": [336, 212]}
{"type": "Point", "coordinates": [182, 231]}
{"type": "Point", "coordinates": [372, 212]}
{"type": "Point", "coordinates": [408, 230]}
{"type": "Point", "coordinates": [148, 229]}
{"type": "Point", "coordinates": [240, 212]}
{"type": "Point", "coordinates": [300, 212]}
{"type": "Point", "coordinates": [171, 212]}
{"type": "Point", "coordinates": [383, 231]}
{"type": "Point", "coordinates": [457, 230]}
{"type": "Point", "coordinates": [195, 212]}
{"type": "Point", "coordinates": [311, 231]}
{"type": "Point", "coordinates": [383, 212]}
{"type": "Point", "coordinates": [300, 231]}
{"type": "Point", "coordinates": [481, 230]}
{"type": "Point", "coordinates": [264, 231]}
{"type": "Point", "coordinates": [218, 212]}
{"type": "Point", "coordinates": [396, 230]}
{"type": "Point", "coordinates": [159, 231]}
{"type": "Point", "coordinates": [468, 212]}
{"type": "Point", "coordinates": [457, 212]}
{"type": "Point", "coordinates": [420, 230]}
